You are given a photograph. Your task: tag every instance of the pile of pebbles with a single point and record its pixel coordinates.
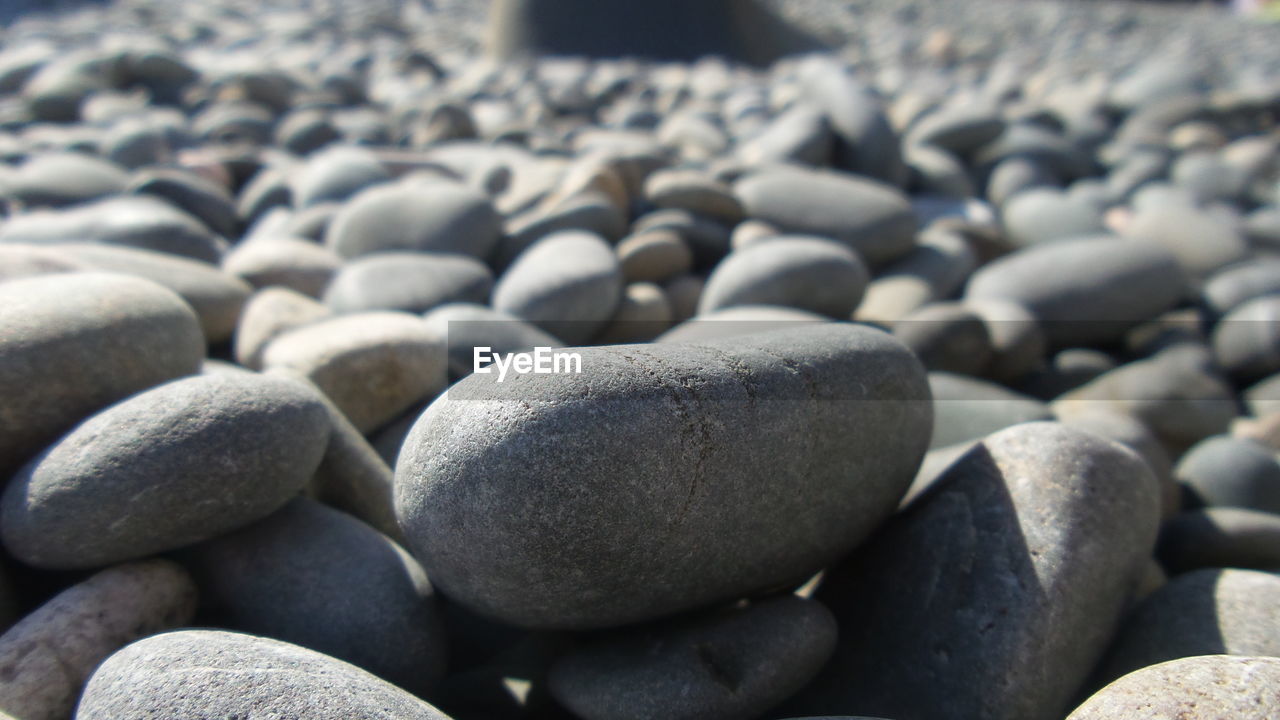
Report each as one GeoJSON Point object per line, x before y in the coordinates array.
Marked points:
{"type": "Point", "coordinates": [936, 377]}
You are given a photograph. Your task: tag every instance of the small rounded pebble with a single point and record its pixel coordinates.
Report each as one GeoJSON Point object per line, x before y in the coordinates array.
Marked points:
{"type": "Point", "coordinates": [409, 282]}
{"type": "Point", "coordinates": [813, 274]}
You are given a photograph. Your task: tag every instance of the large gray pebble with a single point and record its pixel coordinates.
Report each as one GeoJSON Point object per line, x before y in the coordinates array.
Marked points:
{"type": "Point", "coordinates": [1232, 472]}
{"type": "Point", "coordinates": [270, 313]}
{"type": "Point", "coordinates": [1201, 241]}
{"type": "Point", "coordinates": [209, 673]}
{"type": "Point", "coordinates": [216, 296]}
{"type": "Point", "coordinates": [427, 216]}
{"type": "Point", "coordinates": [1205, 612]}
{"type": "Point", "coordinates": [143, 222]}
{"type": "Point", "coordinates": [1196, 688]}
{"type": "Point", "coordinates": [373, 366]}
{"type": "Point", "coordinates": [412, 282]}
{"type": "Point", "coordinates": [735, 664]}
{"type": "Point", "coordinates": [321, 579]}
{"type": "Point", "coordinates": [947, 337]}
{"type": "Point", "coordinates": [569, 284]}
{"type": "Point", "coordinates": [335, 175]}
{"type": "Point", "coordinates": [1246, 343]}
{"type": "Point", "coordinates": [777, 453]}
{"type": "Point", "coordinates": [994, 594]}
{"type": "Point", "coordinates": [1085, 291]}
{"type": "Point", "coordinates": [62, 179]}
{"type": "Point", "coordinates": [866, 143]}
{"type": "Point", "coordinates": [1042, 215]}
{"type": "Point", "coordinates": [873, 219]}
{"type": "Point", "coordinates": [172, 466]}
{"type": "Point", "coordinates": [71, 344]}
{"type": "Point", "coordinates": [46, 658]}
{"type": "Point", "coordinates": [808, 273]}
{"type": "Point", "coordinates": [1221, 537]}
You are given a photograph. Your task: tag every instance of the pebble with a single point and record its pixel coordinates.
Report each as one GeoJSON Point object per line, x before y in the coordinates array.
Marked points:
{"type": "Point", "coordinates": [373, 366]}
{"type": "Point", "coordinates": [1246, 343]}
{"type": "Point", "coordinates": [432, 216]}
{"type": "Point", "coordinates": [933, 270]}
{"type": "Point", "coordinates": [335, 175]}
{"type": "Point", "coordinates": [46, 658]}
{"type": "Point", "coordinates": [814, 274]}
{"type": "Point", "coordinates": [287, 262]}
{"type": "Point", "coordinates": [644, 314]}
{"type": "Point", "coordinates": [1041, 215]}
{"type": "Point", "coordinates": [568, 284]}
{"type": "Point", "coordinates": [409, 282]}
{"type": "Point", "coordinates": [268, 314]}
{"type": "Point", "coordinates": [1217, 537]}
{"type": "Point", "coordinates": [695, 192]}
{"type": "Point", "coordinates": [74, 343]}
{"type": "Point", "coordinates": [1086, 290]}
{"type": "Point", "coordinates": [183, 462]}
{"type": "Point", "coordinates": [980, 600]}
{"type": "Point", "coordinates": [292, 575]}
{"type": "Point", "coordinates": [526, 553]}
{"type": "Point", "coordinates": [202, 198]}
{"type": "Point", "coordinates": [873, 219]}
{"type": "Point", "coordinates": [62, 179]}
{"type": "Point", "coordinates": [1197, 688]}
{"type": "Point", "coordinates": [469, 325]}
{"type": "Point", "coordinates": [947, 337]}
{"type": "Point", "coordinates": [654, 256]}
{"type": "Point", "coordinates": [1202, 242]}
{"type": "Point", "coordinates": [1204, 612]}
{"type": "Point", "coordinates": [211, 673]}
{"type": "Point", "coordinates": [967, 408]}
{"type": "Point", "coordinates": [1018, 342]}
{"type": "Point", "coordinates": [1237, 284]}
{"type": "Point", "coordinates": [737, 321]}
{"type": "Point", "coordinates": [731, 664]}
{"type": "Point", "coordinates": [1224, 471]}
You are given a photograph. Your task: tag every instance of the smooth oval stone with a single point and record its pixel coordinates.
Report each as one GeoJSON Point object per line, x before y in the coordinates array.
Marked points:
{"type": "Point", "coordinates": [201, 197]}
{"type": "Point", "coordinates": [234, 122]}
{"type": "Point", "coordinates": [1195, 688]}
{"type": "Point", "coordinates": [1133, 434]}
{"type": "Point", "coordinates": [1042, 215]}
{"type": "Point", "coordinates": [1232, 472]}
{"type": "Point", "coordinates": [431, 217]}
{"type": "Point", "coordinates": [216, 296]}
{"type": "Point", "coordinates": [873, 219]}
{"type": "Point", "coordinates": [1232, 287]}
{"type": "Point", "coordinates": [270, 313]}
{"type": "Point", "coordinates": [958, 128]}
{"type": "Point", "coordinates": [1018, 342]}
{"type": "Point", "coordinates": [738, 321]}
{"type": "Point", "coordinates": [808, 273]}
{"type": "Point", "coordinates": [967, 408]}
{"type": "Point", "coordinates": [568, 284]}
{"type": "Point", "coordinates": [1202, 242]}
{"type": "Point", "coordinates": [1246, 343]}
{"type": "Point", "coordinates": [936, 172]}
{"type": "Point", "coordinates": [1209, 177]}
{"type": "Point", "coordinates": [1221, 537]}
{"type": "Point", "coordinates": [65, 179]}
{"type": "Point", "coordinates": [373, 366]}
{"type": "Point", "coordinates": [654, 256]}
{"type": "Point", "coordinates": [210, 673]}
{"type": "Point", "coordinates": [1157, 78]}
{"type": "Point", "coordinates": [71, 344]}
{"type": "Point", "coordinates": [1263, 397]}
{"type": "Point", "coordinates": [20, 261]}
{"type": "Point", "coordinates": [412, 282]}
{"type": "Point", "coordinates": [318, 578]}
{"type": "Point", "coordinates": [801, 134]}
{"type": "Point", "coordinates": [732, 664]}
{"type": "Point", "coordinates": [169, 467]}
{"type": "Point", "coordinates": [933, 270]}
{"type": "Point", "coordinates": [591, 211]}
{"type": "Point", "coordinates": [1016, 175]}
{"type": "Point", "coordinates": [638, 524]}
{"type": "Point", "coordinates": [305, 131]}
{"type": "Point", "coordinates": [1085, 291]}
{"type": "Point", "coordinates": [146, 223]}
{"type": "Point", "coordinates": [946, 337]}
{"type": "Point", "coordinates": [46, 658]}
{"type": "Point", "coordinates": [335, 175]}
{"type": "Point", "coordinates": [266, 190]}
{"type": "Point", "coordinates": [1035, 142]}
{"type": "Point", "coordinates": [1203, 612]}
{"type": "Point", "coordinates": [866, 143]}
{"type": "Point", "coordinates": [980, 599]}
{"type": "Point", "coordinates": [468, 326]}
{"type": "Point", "coordinates": [285, 262]}
{"type": "Point", "coordinates": [693, 191]}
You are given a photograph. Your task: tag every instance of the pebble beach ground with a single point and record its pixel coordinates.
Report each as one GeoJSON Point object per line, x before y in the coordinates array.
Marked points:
{"type": "Point", "coordinates": [934, 375]}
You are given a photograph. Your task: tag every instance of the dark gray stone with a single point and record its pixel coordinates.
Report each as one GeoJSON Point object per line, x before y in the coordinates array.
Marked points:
{"type": "Point", "coordinates": [997, 590]}
{"type": "Point", "coordinates": [1225, 471]}
{"type": "Point", "coordinates": [1233, 286]}
{"type": "Point", "coordinates": [1221, 537]}
{"type": "Point", "coordinates": [1204, 612]}
{"type": "Point", "coordinates": [412, 282]}
{"type": "Point", "coordinates": [801, 134]}
{"type": "Point", "coordinates": [873, 219]}
{"type": "Point", "coordinates": [809, 273]}
{"type": "Point", "coordinates": [201, 197]}
{"type": "Point", "coordinates": [318, 578]}
{"type": "Point", "coordinates": [1088, 290]}
{"type": "Point", "coordinates": [1018, 342]}
{"type": "Point", "coordinates": [675, 487]}
{"type": "Point", "coordinates": [434, 216]}
{"type": "Point", "coordinates": [958, 128]}
{"type": "Point", "coordinates": [71, 344]}
{"type": "Point", "coordinates": [1016, 175]}
{"type": "Point", "coordinates": [947, 337]}
{"type": "Point", "coordinates": [866, 143]}
{"type": "Point", "coordinates": [737, 663]}
{"type": "Point", "coordinates": [568, 284]}
{"type": "Point", "coordinates": [1246, 343]}
{"type": "Point", "coordinates": [47, 657]}
{"type": "Point", "coordinates": [210, 673]}
{"type": "Point", "coordinates": [169, 467]}
{"type": "Point", "coordinates": [1196, 688]}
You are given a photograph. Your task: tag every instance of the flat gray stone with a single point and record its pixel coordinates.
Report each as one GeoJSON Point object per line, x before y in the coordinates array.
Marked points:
{"type": "Point", "coordinates": [568, 284]}
{"type": "Point", "coordinates": [1197, 688]}
{"type": "Point", "coordinates": [169, 467]}
{"type": "Point", "coordinates": [731, 664]}
{"type": "Point", "coordinates": [210, 673]}
{"type": "Point", "coordinates": [996, 591]}
{"type": "Point", "coordinates": [410, 282]}
{"type": "Point", "coordinates": [71, 344]}
{"type": "Point", "coordinates": [321, 579]}
{"type": "Point", "coordinates": [809, 273]}
{"type": "Point", "coordinates": [47, 657]}
{"type": "Point", "coordinates": [433, 216]}
{"type": "Point", "coordinates": [873, 219]}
